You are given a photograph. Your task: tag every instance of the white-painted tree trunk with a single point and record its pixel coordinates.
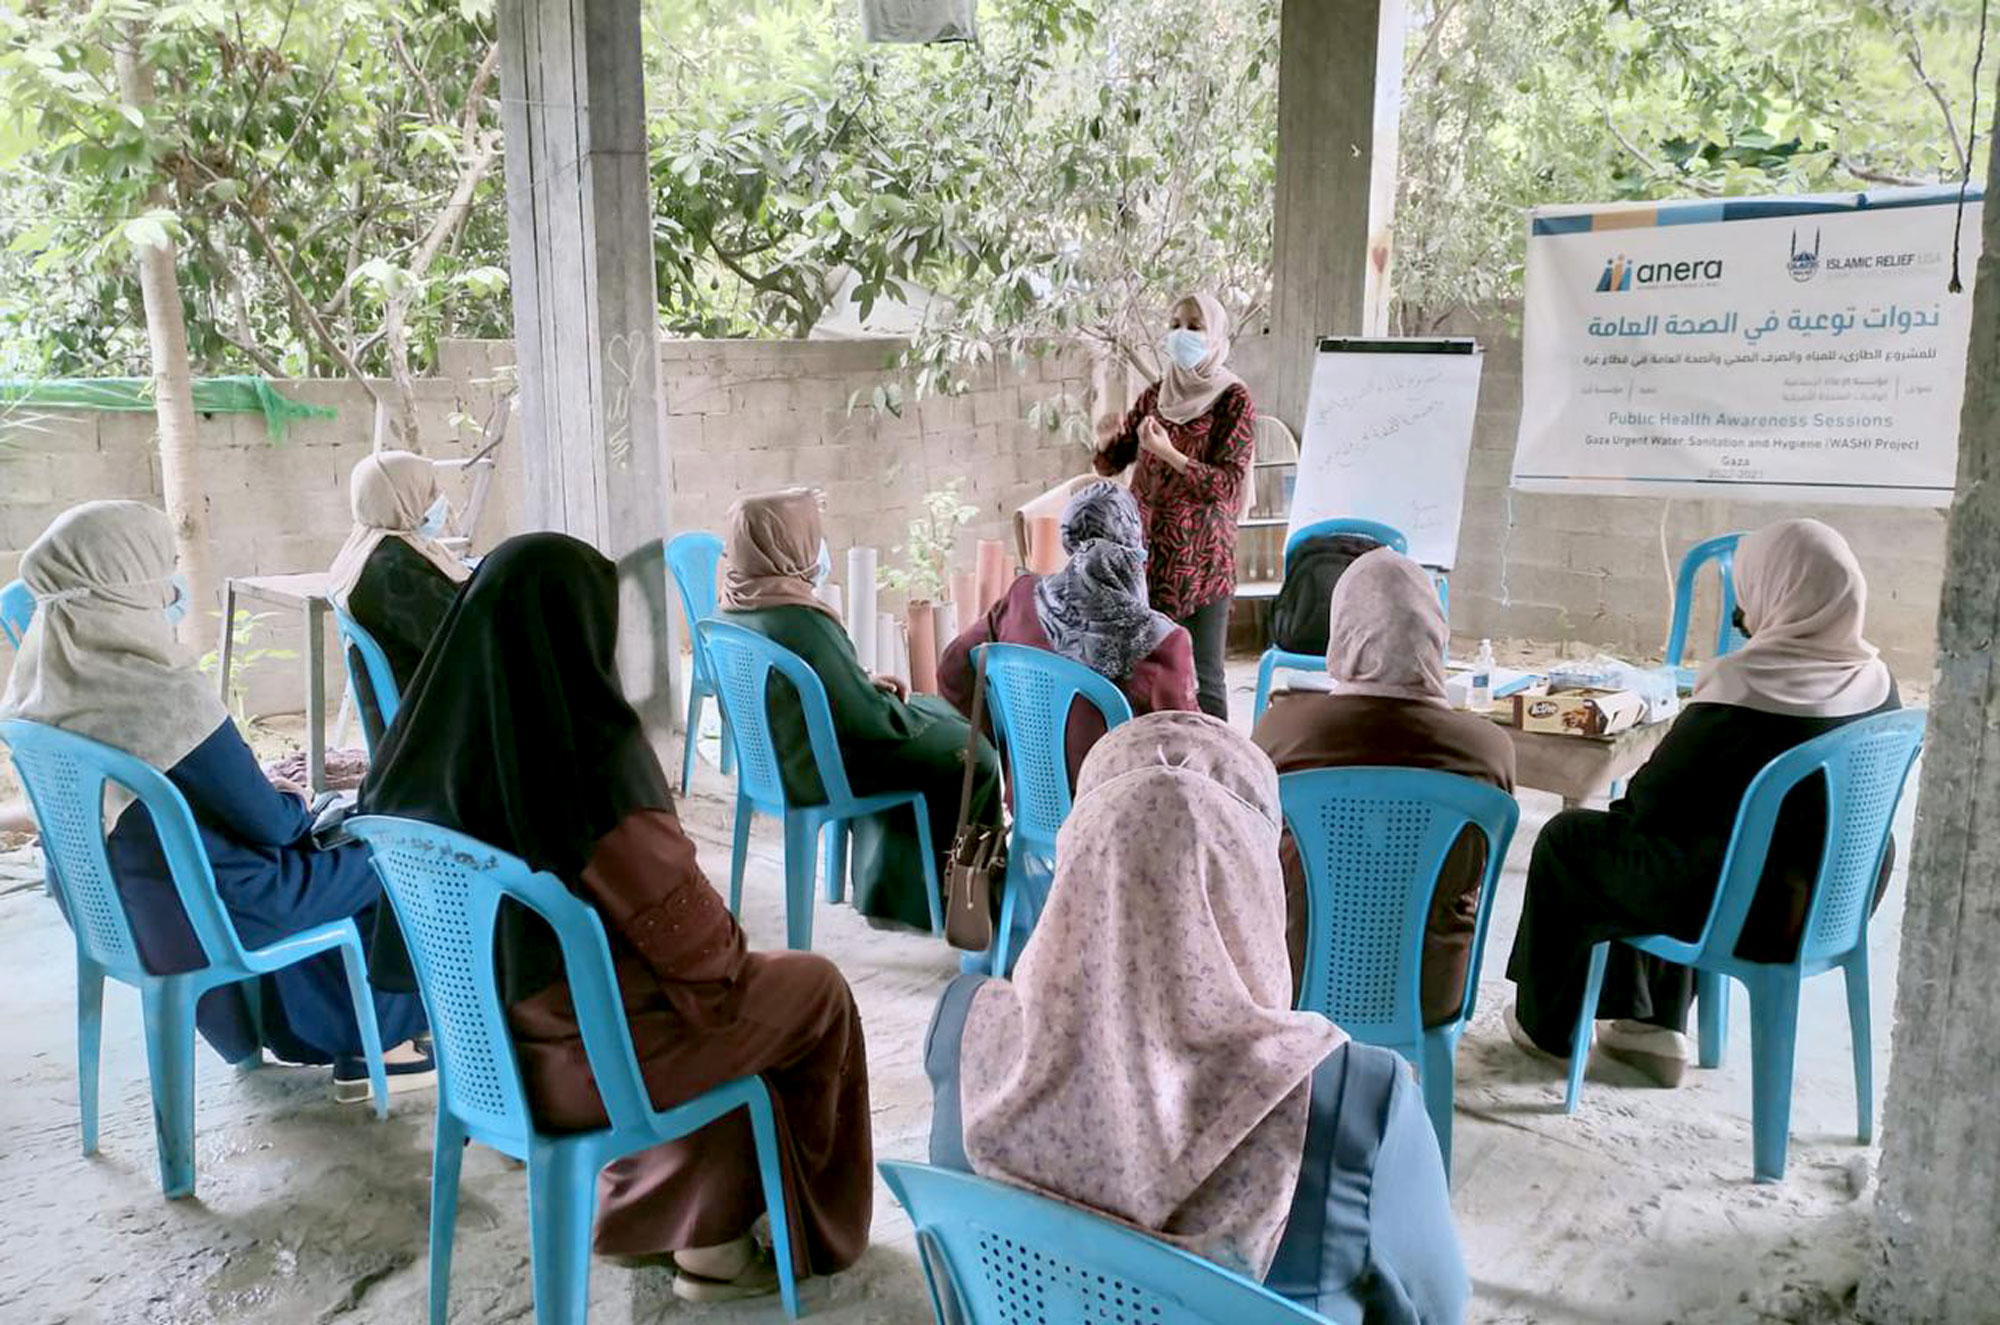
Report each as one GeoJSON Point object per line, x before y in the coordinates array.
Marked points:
{"type": "Point", "coordinates": [173, 391]}
{"type": "Point", "coordinates": [1938, 1211]}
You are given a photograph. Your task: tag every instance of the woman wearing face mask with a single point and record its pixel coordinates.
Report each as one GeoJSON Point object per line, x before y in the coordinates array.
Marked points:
{"type": "Point", "coordinates": [392, 575]}
{"type": "Point", "coordinates": [100, 661]}
{"type": "Point", "coordinates": [888, 741]}
{"type": "Point", "coordinates": [1193, 437]}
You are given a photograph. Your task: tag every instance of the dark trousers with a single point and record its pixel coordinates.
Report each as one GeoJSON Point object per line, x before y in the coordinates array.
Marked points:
{"type": "Point", "coordinates": [1209, 626]}
{"type": "Point", "coordinates": [1593, 878]}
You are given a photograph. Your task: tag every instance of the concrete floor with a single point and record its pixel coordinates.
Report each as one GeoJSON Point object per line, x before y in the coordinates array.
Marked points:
{"type": "Point", "coordinates": [1638, 1209]}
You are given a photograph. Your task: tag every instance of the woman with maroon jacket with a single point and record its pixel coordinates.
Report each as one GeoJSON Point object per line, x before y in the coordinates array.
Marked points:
{"type": "Point", "coordinates": [1192, 436]}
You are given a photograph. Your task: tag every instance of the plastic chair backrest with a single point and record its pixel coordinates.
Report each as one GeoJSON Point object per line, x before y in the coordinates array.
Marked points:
{"type": "Point", "coordinates": [17, 609]}
{"type": "Point", "coordinates": [65, 776]}
{"type": "Point", "coordinates": [1864, 763]}
{"type": "Point", "coordinates": [1721, 551]}
{"type": "Point", "coordinates": [1373, 841]}
{"type": "Point", "coordinates": [1031, 691]}
{"type": "Point", "coordinates": [1386, 535]}
{"type": "Point", "coordinates": [742, 662]}
{"type": "Point", "coordinates": [447, 891]}
{"type": "Point", "coordinates": [381, 681]}
{"type": "Point", "coordinates": [694, 558]}
{"type": "Point", "coordinates": [999, 1255]}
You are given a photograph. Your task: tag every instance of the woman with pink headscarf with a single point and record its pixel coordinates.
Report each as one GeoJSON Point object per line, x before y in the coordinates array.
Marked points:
{"type": "Point", "coordinates": [1145, 1061]}
{"type": "Point", "coordinates": [1192, 436]}
{"type": "Point", "coordinates": [1651, 863]}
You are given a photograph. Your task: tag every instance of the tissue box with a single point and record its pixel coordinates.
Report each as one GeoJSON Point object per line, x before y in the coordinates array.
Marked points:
{"type": "Point", "coordinates": [1586, 712]}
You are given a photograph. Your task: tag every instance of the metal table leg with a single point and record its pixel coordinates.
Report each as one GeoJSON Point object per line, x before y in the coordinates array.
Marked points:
{"type": "Point", "coordinates": [225, 647]}
{"type": "Point", "coordinates": [316, 694]}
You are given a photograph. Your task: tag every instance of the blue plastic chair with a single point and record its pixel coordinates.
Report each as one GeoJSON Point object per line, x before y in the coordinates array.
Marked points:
{"type": "Point", "coordinates": [994, 1254]}
{"type": "Point", "coordinates": [744, 664]}
{"type": "Point", "coordinates": [1031, 692]}
{"type": "Point", "coordinates": [1274, 657]}
{"type": "Point", "coordinates": [17, 609]}
{"type": "Point", "coordinates": [65, 776]}
{"type": "Point", "coordinates": [354, 639]}
{"type": "Point", "coordinates": [1865, 764]}
{"type": "Point", "coordinates": [447, 889]}
{"type": "Point", "coordinates": [1373, 841]}
{"type": "Point", "coordinates": [693, 559]}
{"type": "Point", "coordinates": [1722, 552]}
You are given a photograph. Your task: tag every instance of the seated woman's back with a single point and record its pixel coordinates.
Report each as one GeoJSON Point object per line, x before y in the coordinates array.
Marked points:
{"type": "Point", "coordinates": [1145, 1060]}
{"type": "Point", "coordinates": [1386, 651]}
{"type": "Point", "coordinates": [392, 576]}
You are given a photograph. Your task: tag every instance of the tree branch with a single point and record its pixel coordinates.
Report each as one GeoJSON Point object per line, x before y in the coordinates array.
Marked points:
{"type": "Point", "coordinates": [1874, 176]}
{"type": "Point", "coordinates": [1915, 55]}
{"type": "Point", "coordinates": [1654, 168]}
{"type": "Point", "coordinates": [301, 305]}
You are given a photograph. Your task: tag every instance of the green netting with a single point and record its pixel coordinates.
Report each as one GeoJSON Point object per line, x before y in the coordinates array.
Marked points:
{"type": "Point", "coordinates": [212, 395]}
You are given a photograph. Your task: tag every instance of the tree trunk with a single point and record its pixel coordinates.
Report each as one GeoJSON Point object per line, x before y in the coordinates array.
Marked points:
{"type": "Point", "coordinates": [1939, 1205]}
{"type": "Point", "coordinates": [173, 388]}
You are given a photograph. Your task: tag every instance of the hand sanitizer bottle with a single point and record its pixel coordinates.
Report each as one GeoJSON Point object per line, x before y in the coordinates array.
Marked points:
{"type": "Point", "coordinates": [1481, 698]}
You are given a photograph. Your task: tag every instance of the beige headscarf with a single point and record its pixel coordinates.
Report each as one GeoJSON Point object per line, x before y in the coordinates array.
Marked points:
{"type": "Point", "coordinates": [1145, 1060]}
{"type": "Point", "coordinates": [771, 553]}
{"type": "Point", "coordinates": [1188, 393]}
{"type": "Point", "coordinates": [389, 493]}
{"type": "Point", "coordinates": [1386, 632]}
{"type": "Point", "coordinates": [100, 659]}
{"type": "Point", "coordinates": [1804, 600]}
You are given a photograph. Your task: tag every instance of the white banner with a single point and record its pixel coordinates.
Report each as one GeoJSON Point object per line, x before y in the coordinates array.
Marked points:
{"type": "Point", "coordinates": [1776, 349]}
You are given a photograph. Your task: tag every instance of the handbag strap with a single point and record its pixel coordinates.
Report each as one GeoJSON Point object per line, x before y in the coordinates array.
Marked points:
{"type": "Point", "coordinates": [972, 737]}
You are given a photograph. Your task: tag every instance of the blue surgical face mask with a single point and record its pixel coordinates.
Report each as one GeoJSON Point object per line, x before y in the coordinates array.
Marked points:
{"type": "Point", "coordinates": [177, 609]}
{"type": "Point", "coordinates": [824, 566]}
{"type": "Point", "coordinates": [1186, 347]}
{"type": "Point", "coordinates": [435, 518]}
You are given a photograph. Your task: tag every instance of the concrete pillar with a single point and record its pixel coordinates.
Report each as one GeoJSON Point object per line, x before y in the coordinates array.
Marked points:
{"type": "Point", "coordinates": [1340, 87]}
{"type": "Point", "coordinates": [580, 243]}
{"type": "Point", "coordinates": [1938, 1210]}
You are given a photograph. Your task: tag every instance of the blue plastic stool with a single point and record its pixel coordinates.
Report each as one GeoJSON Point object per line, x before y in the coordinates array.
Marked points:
{"type": "Point", "coordinates": [381, 681]}
{"type": "Point", "coordinates": [1373, 841]}
{"type": "Point", "coordinates": [693, 559]}
{"type": "Point", "coordinates": [447, 889]}
{"type": "Point", "coordinates": [17, 609]}
{"type": "Point", "coordinates": [1721, 551]}
{"type": "Point", "coordinates": [1865, 764]}
{"type": "Point", "coordinates": [744, 664]}
{"type": "Point", "coordinates": [1274, 657]}
{"type": "Point", "coordinates": [1032, 691]}
{"type": "Point", "coordinates": [65, 776]}
{"type": "Point", "coordinates": [994, 1254]}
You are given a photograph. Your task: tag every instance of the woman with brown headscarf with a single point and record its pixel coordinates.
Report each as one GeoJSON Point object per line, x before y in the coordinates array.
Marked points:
{"type": "Point", "coordinates": [1385, 651]}
{"type": "Point", "coordinates": [887, 742]}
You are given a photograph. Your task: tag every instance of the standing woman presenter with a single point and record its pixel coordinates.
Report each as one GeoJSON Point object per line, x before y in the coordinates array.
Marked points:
{"type": "Point", "coordinates": [1192, 437]}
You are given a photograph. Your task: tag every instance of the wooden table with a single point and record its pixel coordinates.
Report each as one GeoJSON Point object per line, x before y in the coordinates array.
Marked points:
{"type": "Point", "coordinates": [307, 594]}
{"type": "Point", "coordinates": [1581, 768]}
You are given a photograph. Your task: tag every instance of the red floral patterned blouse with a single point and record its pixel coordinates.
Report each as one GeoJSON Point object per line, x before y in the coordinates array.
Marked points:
{"type": "Point", "coordinates": [1190, 518]}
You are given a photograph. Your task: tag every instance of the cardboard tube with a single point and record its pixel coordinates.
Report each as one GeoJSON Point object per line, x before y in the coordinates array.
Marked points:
{"type": "Point", "coordinates": [965, 597]}
{"type": "Point", "coordinates": [1045, 549]}
{"type": "Point", "coordinates": [888, 640]}
{"type": "Point", "coordinates": [992, 573]}
{"type": "Point", "coordinates": [829, 593]}
{"type": "Point", "coordinates": [861, 604]}
{"type": "Point", "coordinates": [923, 647]}
{"type": "Point", "coordinates": [947, 627]}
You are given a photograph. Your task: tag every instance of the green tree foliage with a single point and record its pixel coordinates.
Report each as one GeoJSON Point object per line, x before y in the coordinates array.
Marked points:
{"type": "Point", "coordinates": [1510, 104]}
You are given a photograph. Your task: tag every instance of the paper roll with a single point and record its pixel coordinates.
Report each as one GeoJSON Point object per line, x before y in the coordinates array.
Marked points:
{"type": "Point", "coordinates": [861, 604]}
{"type": "Point", "coordinates": [947, 627]}
{"type": "Point", "coordinates": [965, 597]}
{"type": "Point", "coordinates": [923, 637]}
{"type": "Point", "coordinates": [888, 639]}
{"type": "Point", "coordinates": [829, 593]}
{"type": "Point", "coordinates": [992, 573]}
{"type": "Point", "coordinates": [1045, 549]}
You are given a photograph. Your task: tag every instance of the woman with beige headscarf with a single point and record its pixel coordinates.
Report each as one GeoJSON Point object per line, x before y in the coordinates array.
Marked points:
{"type": "Point", "coordinates": [100, 661]}
{"type": "Point", "coordinates": [773, 560]}
{"type": "Point", "coordinates": [1385, 651]}
{"type": "Point", "coordinates": [1651, 863]}
{"type": "Point", "coordinates": [392, 576]}
{"type": "Point", "coordinates": [1192, 436]}
{"type": "Point", "coordinates": [1145, 1061]}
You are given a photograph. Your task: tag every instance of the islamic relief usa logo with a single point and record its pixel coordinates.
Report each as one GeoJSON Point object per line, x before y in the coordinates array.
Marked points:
{"type": "Point", "coordinates": [1804, 263]}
